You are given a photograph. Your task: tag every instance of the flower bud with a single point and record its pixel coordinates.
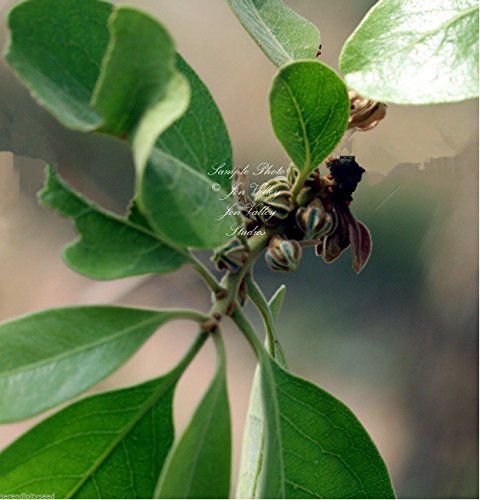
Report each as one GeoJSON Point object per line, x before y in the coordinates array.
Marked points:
{"type": "Point", "coordinates": [292, 173]}
{"type": "Point", "coordinates": [314, 221]}
{"type": "Point", "coordinates": [231, 256]}
{"type": "Point", "coordinates": [283, 255]}
{"type": "Point", "coordinates": [365, 113]}
{"type": "Point", "coordinates": [275, 201]}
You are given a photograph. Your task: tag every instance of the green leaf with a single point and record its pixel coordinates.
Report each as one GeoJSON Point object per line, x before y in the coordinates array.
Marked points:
{"type": "Point", "coordinates": [109, 246]}
{"type": "Point", "coordinates": [112, 445]}
{"type": "Point", "coordinates": [199, 138]}
{"type": "Point", "coordinates": [253, 447]}
{"type": "Point", "coordinates": [415, 52]}
{"type": "Point", "coordinates": [53, 355]}
{"type": "Point", "coordinates": [280, 32]}
{"type": "Point", "coordinates": [199, 465]}
{"type": "Point", "coordinates": [309, 106]}
{"type": "Point", "coordinates": [139, 92]}
{"type": "Point", "coordinates": [276, 302]}
{"type": "Point", "coordinates": [56, 48]}
{"type": "Point", "coordinates": [176, 192]}
{"type": "Point", "coordinates": [315, 446]}
{"type": "Point", "coordinates": [181, 205]}
{"type": "Point", "coordinates": [96, 67]}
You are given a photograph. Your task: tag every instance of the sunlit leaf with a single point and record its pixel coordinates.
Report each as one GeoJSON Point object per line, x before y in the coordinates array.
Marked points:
{"type": "Point", "coordinates": [415, 52]}
{"type": "Point", "coordinates": [280, 32]}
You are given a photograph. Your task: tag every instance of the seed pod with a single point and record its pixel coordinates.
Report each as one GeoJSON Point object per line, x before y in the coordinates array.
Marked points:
{"type": "Point", "coordinates": [314, 221]}
{"type": "Point", "coordinates": [274, 201]}
{"type": "Point", "coordinates": [232, 256]}
{"type": "Point", "coordinates": [283, 255]}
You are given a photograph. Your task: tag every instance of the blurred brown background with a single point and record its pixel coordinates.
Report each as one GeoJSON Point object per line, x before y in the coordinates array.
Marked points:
{"type": "Point", "coordinates": [397, 343]}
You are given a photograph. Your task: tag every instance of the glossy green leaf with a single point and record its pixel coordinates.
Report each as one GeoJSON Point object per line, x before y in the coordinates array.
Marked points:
{"type": "Point", "coordinates": [253, 446]}
{"type": "Point", "coordinates": [108, 247]}
{"type": "Point", "coordinates": [112, 445]}
{"type": "Point", "coordinates": [415, 52]}
{"type": "Point", "coordinates": [51, 356]}
{"type": "Point", "coordinates": [199, 138]}
{"type": "Point", "coordinates": [139, 92]}
{"type": "Point", "coordinates": [309, 106]}
{"type": "Point", "coordinates": [280, 32]}
{"type": "Point", "coordinates": [181, 205]}
{"type": "Point", "coordinates": [199, 464]}
{"type": "Point", "coordinates": [56, 48]}
{"type": "Point", "coordinates": [314, 446]}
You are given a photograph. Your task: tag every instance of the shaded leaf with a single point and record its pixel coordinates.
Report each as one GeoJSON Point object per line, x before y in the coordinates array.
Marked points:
{"type": "Point", "coordinates": [56, 48]}
{"type": "Point", "coordinates": [415, 52]}
{"type": "Point", "coordinates": [199, 464]}
{"type": "Point", "coordinates": [315, 446]}
{"type": "Point", "coordinates": [280, 32]}
{"type": "Point", "coordinates": [309, 106]}
{"type": "Point", "coordinates": [51, 356]}
{"type": "Point", "coordinates": [139, 92]}
{"type": "Point", "coordinates": [109, 247]}
{"type": "Point", "coordinates": [276, 301]}
{"type": "Point", "coordinates": [112, 445]}
{"type": "Point", "coordinates": [181, 205]}
{"type": "Point", "coordinates": [199, 138]}
{"type": "Point", "coordinates": [253, 446]}
{"type": "Point", "coordinates": [99, 67]}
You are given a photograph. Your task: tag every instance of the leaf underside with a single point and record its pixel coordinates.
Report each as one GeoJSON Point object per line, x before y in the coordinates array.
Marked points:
{"type": "Point", "coordinates": [282, 34]}
{"type": "Point", "coordinates": [51, 356]}
{"type": "Point", "coordinates": [415, 52]}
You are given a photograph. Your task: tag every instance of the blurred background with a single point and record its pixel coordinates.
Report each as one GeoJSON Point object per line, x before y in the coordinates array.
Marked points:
{"type": "Point", "coordinates": [398, 343]}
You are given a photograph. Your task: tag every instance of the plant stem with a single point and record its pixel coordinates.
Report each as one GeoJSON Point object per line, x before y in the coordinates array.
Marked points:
{"type": "Point", "coordinates": [258, 298]}
{"type": "Point", "coordinates": [300, 180]}
{"type": "Point", "coordinates": [231, 281]}
{"type": "Point", "coordinates": [207, 276]}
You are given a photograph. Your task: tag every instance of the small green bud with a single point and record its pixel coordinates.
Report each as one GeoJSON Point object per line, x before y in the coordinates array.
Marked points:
{"type": "Point", "coordinates": [275, 201]}
{"type": "Point", "coordinates": [231, 256]}
{"type": "Point", "coordinates": [283, 255]}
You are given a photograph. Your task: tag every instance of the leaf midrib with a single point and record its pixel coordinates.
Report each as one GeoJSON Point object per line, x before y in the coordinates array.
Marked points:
{"type": "Point", "coordinates": [308, 159]}
{"type": "Point", "coordinates": [265, 25]}
{"type": "Point", "coordinates": [424, 36]}
{"type": "Point", "coordinates": [216, 395]}
{"type": "Point", "coordinates": [170, 381]}
{"type": "Point", "coordinates": [85, 347]}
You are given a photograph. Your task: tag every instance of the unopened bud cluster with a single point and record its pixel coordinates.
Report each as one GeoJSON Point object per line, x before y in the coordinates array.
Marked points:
{"type": "Point", "coordinates": [320, 213]}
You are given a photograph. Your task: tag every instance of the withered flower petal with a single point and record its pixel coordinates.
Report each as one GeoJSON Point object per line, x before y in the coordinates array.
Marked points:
{"type": "Point", "coordinates": [358, 236]}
